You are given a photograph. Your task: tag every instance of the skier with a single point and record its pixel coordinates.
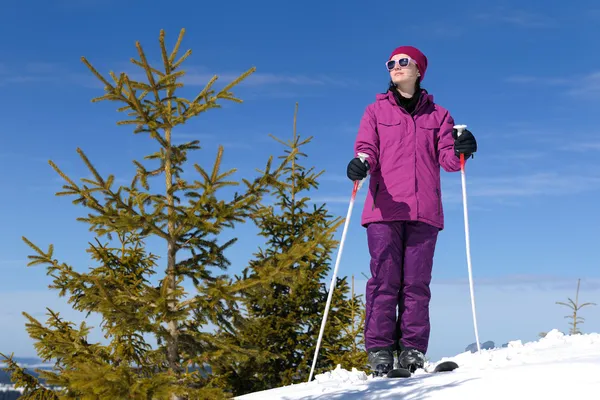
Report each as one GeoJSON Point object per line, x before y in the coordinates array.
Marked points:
{"type": "Point", "coordinates": [408, 138]}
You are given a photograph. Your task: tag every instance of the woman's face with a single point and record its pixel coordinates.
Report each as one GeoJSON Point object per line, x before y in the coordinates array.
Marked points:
{"type": "Point", "coordinates": [403, 74]}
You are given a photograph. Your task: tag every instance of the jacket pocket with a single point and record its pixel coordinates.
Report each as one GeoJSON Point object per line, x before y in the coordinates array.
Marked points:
{"type": "Point", "coordinates": [389, 119]}
{"type": "Point", "coordinates": [428, 136]}
{"type": "Point", "coordinates": [375, 195]}
{"type": "Point", "coordinates": [391, 130]}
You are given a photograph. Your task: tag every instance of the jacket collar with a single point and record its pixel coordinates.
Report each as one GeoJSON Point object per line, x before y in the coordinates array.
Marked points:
{"type": "Point", "coordinates": [426, 99]}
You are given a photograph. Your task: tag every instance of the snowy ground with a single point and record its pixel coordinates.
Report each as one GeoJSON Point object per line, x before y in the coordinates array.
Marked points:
{"type": "Point", "coordinates": [555, 367]}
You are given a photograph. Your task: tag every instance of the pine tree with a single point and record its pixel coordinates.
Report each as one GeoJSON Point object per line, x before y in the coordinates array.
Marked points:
{"type": "Point", "coordinates": [352, 341]}
{"type": "Point", "coordinates": [188, 216]}
{"type": "Point", "coordinates": [575, 306]}
{"type": "Point", "coordinates": [283, 319]}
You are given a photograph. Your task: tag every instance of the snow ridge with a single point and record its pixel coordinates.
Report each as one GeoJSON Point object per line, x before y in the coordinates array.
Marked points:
{"type": "Point", "coordinates": [557, 366]}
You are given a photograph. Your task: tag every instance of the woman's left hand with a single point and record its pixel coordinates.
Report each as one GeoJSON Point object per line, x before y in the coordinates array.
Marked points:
{"type": "Point", "coordinates": [465, 143]}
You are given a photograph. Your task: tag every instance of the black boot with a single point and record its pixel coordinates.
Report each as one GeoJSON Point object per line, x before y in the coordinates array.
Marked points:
{"type": "Point", "coordinates": [381, 361]}
{"type": "Point", "coordinates": [411, 359]}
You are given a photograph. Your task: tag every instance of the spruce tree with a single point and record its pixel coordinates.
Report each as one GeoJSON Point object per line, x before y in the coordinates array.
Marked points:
{"type": "Point", "coordinates": [282, 320]}
{"type": "Point", "coordinates": [575, 306]}
{"type": "Point", "coordinates": [188, 216]}
{"type": "Point", "coordinates": [352, 340]}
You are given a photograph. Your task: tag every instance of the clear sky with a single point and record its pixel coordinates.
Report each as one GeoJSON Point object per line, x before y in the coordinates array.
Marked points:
{"type": "Point", "coordinates": [524, 76]}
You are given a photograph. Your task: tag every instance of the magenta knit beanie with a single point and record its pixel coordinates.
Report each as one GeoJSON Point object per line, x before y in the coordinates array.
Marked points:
{"type": "Point", "coordinates": [416, 55]}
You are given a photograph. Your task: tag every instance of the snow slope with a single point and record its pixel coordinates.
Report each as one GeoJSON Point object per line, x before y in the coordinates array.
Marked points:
{"type": "Point", "coordinates": [555, 367]}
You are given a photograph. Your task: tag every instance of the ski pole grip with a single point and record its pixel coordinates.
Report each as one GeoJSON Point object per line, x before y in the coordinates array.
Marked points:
{"type": "Point", "coordinates": [362, 156]}
{"type": "Point", "coordinates": [460, 129]}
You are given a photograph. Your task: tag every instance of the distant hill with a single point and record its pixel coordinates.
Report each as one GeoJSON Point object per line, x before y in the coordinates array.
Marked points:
{"type": "Point", "coordinates": [6, 393]}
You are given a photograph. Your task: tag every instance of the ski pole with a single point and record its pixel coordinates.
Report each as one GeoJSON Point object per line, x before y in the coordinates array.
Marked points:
{"type": "Point", "coordinates": [357, 186]}
{"type": "Point", "coordinates": [460, 129]}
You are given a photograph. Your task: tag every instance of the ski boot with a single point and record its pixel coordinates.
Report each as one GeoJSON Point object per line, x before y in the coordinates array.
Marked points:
{"type": "Point", "coordinates": [411, 359]}
{"type": "Point", "coordinates": [381, 361]}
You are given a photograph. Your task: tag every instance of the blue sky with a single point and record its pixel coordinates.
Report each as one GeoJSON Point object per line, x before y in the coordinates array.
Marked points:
{"type": "Point", "coordinates": [523, 76]}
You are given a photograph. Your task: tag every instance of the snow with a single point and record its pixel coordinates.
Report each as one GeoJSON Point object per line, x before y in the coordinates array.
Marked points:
{"type": "Point", "coordinates": [555, 367]}
{"type": "Point", "coordinates": [10, 388]}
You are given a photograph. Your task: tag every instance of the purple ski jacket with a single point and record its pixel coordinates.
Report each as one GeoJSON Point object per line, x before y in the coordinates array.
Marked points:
{"type": "Point", "coordinates": [405, 155]}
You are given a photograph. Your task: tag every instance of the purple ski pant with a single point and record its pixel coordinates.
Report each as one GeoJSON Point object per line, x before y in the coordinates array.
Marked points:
{"type": "Point", "coordinates": [401, 263]}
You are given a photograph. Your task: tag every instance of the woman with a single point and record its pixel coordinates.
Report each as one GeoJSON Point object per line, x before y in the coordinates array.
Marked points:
{"type": "Point", "coordinates": [408, 139]}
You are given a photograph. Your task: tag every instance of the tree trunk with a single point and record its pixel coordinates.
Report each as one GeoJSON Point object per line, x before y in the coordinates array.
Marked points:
{"type": "Point", "coordinates": [172, 345]}
{"type": "Point", "coordinates": [173, 340]}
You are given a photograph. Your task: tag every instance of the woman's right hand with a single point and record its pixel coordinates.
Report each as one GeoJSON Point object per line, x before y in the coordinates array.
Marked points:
{"type": "Point", "coordinates": [357, 169]}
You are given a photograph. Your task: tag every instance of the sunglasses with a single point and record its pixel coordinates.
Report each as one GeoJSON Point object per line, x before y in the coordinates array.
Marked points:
{"type": "Point", "coordinates": [403, 62]}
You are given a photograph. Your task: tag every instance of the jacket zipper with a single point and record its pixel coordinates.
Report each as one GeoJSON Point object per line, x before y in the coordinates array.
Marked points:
{"type": "Point", "coordinates": [437, 191]}
{"type": "Point", "coordinates": [415, 154]}
{"type": "Point", "coordinates": [375, 195]}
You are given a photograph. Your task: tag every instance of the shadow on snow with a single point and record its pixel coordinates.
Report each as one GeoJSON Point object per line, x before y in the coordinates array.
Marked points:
{"type": "Point", "coordinates": [403, 389]}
